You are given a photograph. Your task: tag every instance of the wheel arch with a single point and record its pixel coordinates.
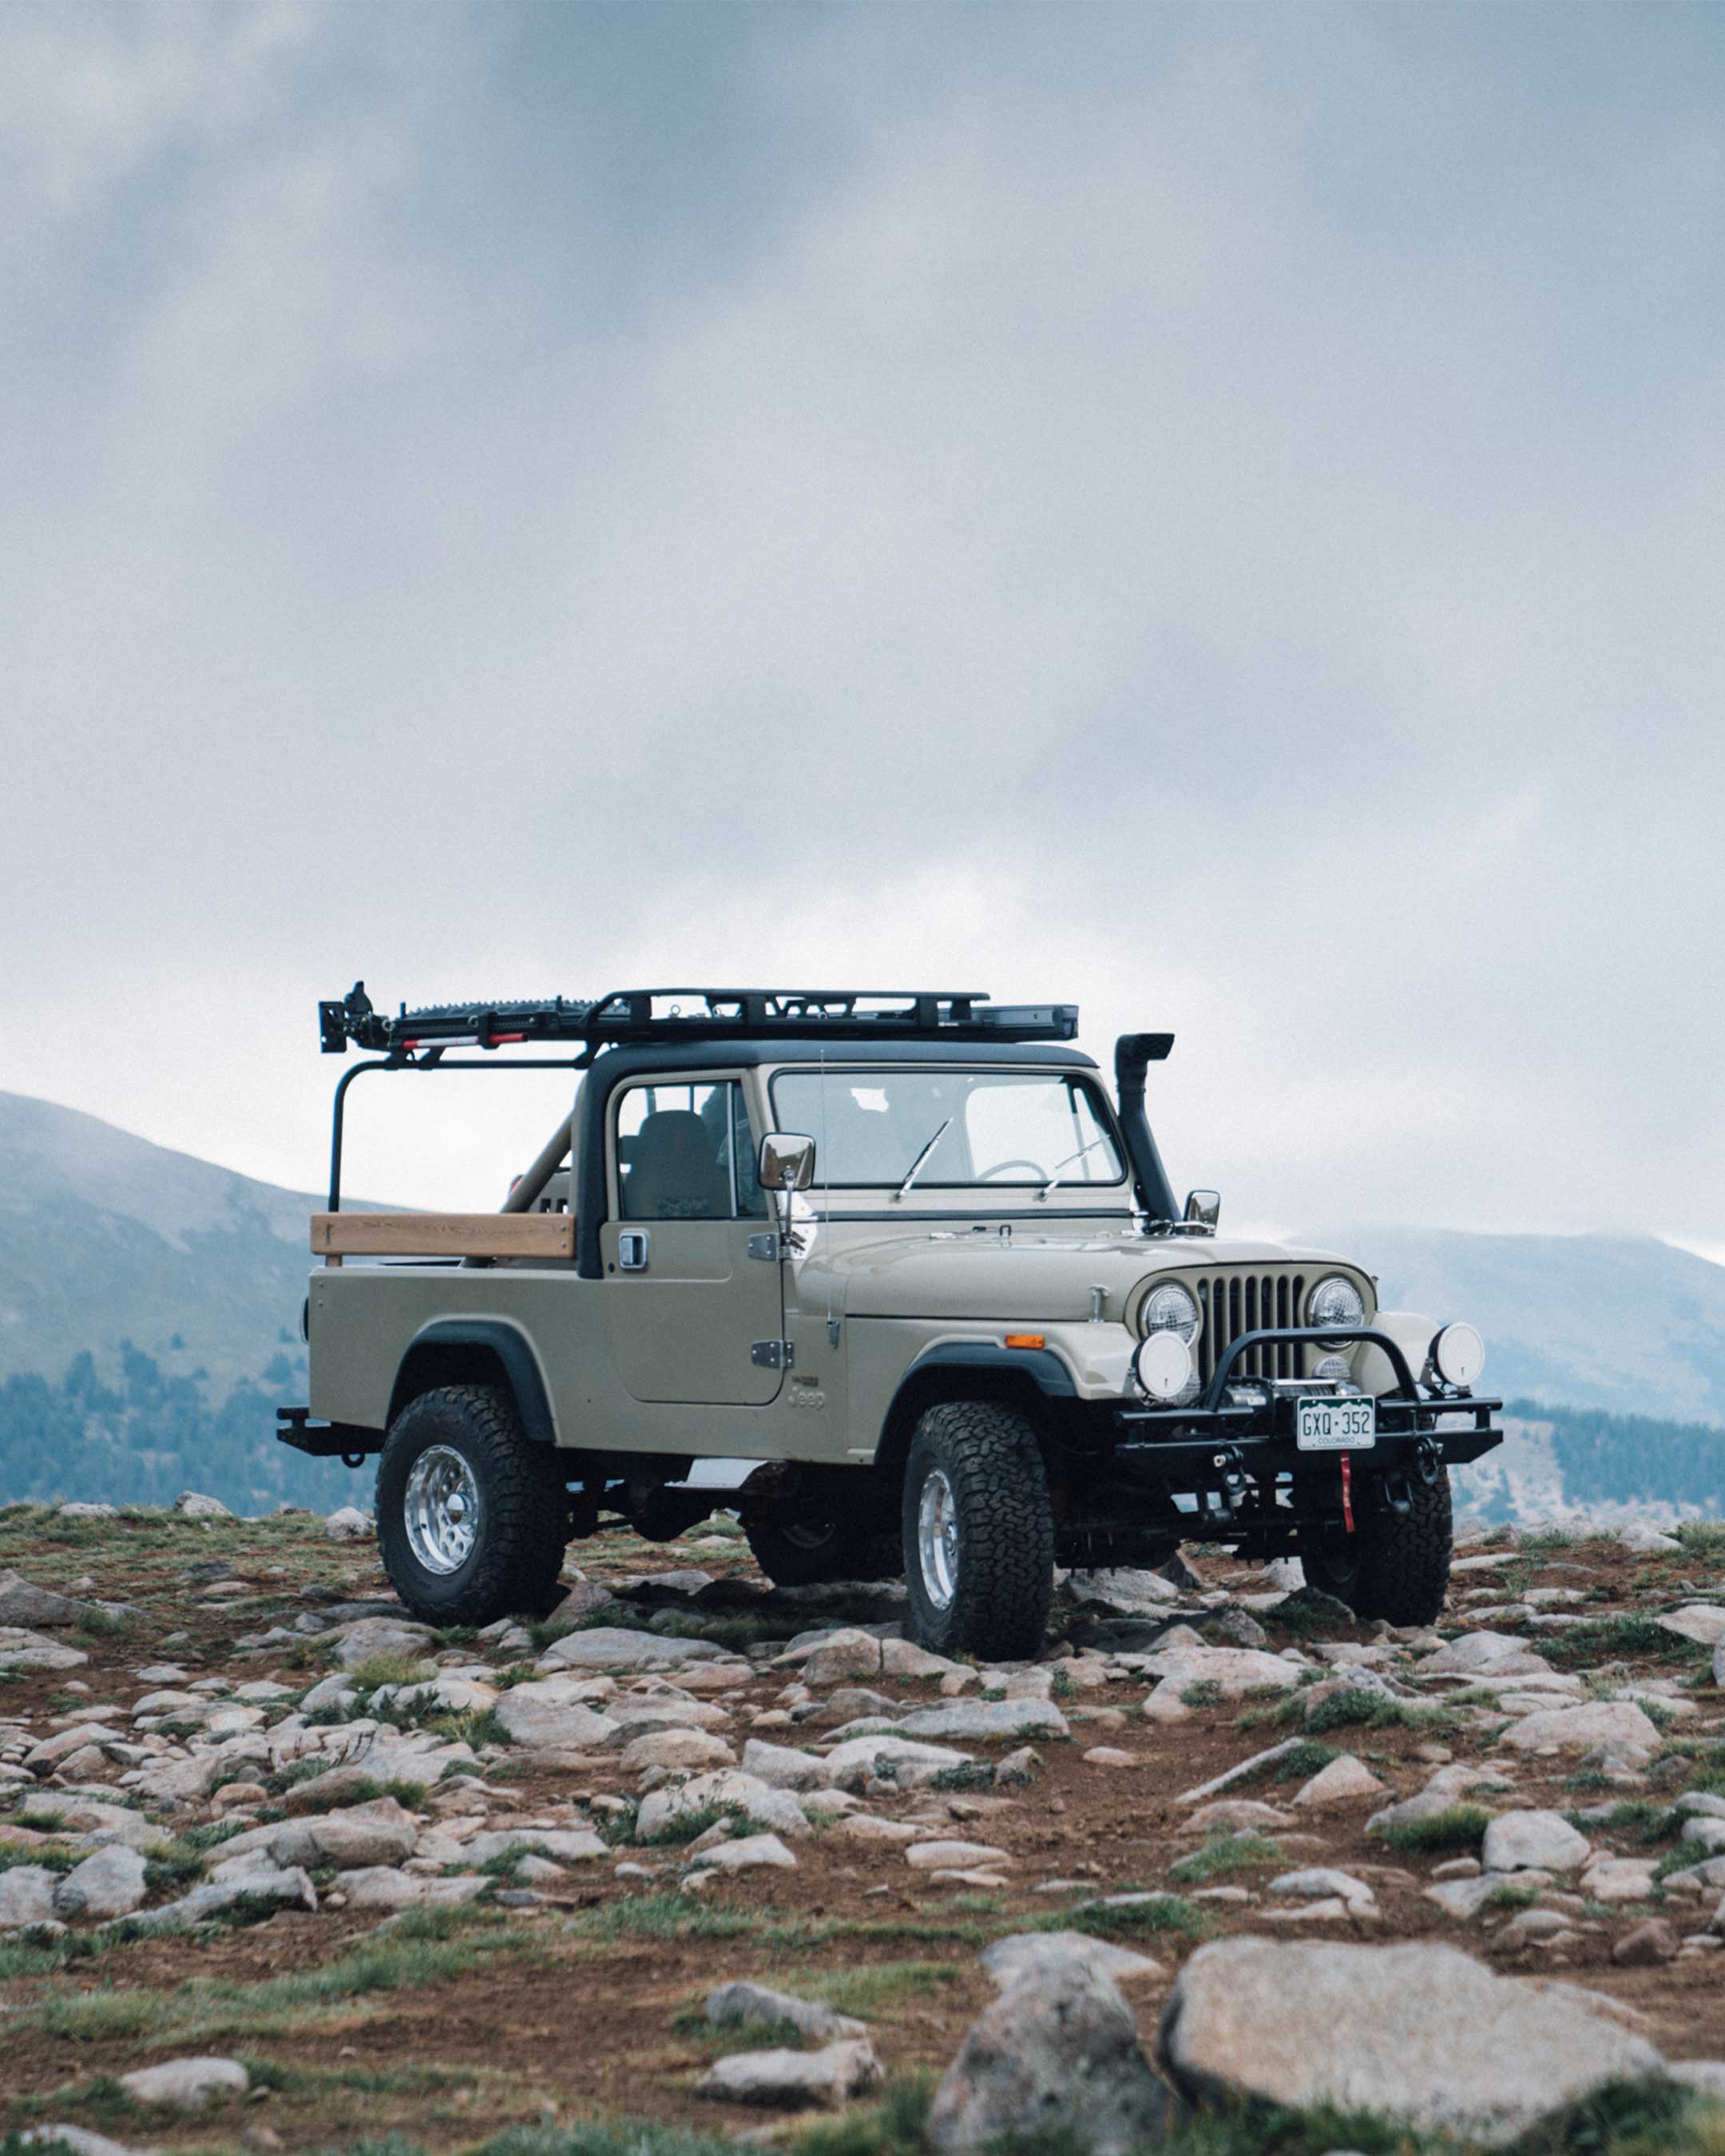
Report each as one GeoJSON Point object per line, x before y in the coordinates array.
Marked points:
{"type": "Point", "coordinates": [476, 1350]}
{"type": "Point", "coordinates": [1030, 1379]}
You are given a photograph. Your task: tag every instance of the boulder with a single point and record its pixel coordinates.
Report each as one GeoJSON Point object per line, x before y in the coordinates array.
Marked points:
{"type": "Point", "coordinates": [850, 1653]}
{"type": "Point", "coordinates": [369, 1637]}
{"type": "Point", "coordinates": [568, 1844]}
{"type": "Point", "coordinates": [543, 1714]}
{"type": "Point", "coordinates": [748, 1853]}
{"type": "Point", "coordinates": [1485, 1653]}
{"type": "Point", "coordinates": [950, 1856]}
{"type": "Point", "coordinates": [677, 1749]}
{"type": "Point", "coordinates": [731, 2003]}
{"type": "Point", "coordinates": [988, 1720]}
{"type": "Point", "coordinates": [1123, 1591]}
{"type": "Point", "coordinates": [21, 1604]}
{"type": "Point", "coordinates": [385, 1888]}
{"type": "Point", "coordinates": [725, 1788]}
{"type": "Point", "coordinates": [898, 1759]}
{"type": "Point", "coordinates": [903, 1658]}
{"type": "Point", "coordinates": [381, 1831]}
{"type": "Point", "coordinates": [22, 1648]}
{"type": "Point", "coordinates": [110, 1883]}
{"type": "Point", "coordinates": [1345, 1781]}
{"type": "Point", "coordinates": [26, 1896]}
{"type": "Point", "coordinates": [782, 1766]}
{"type": "Point", "coordinates": [193, 1505]}
{"type": "Point", "coordinates": [348, 1524]}
{"type": "Point", "coordinates": [793, 2080]}
{"type": "Point", "coordinates": [1647, 1945]}
{"type": "Point", "coordinates": [187, 2084]}
{"type": "Point", "coordinates": [1617, 1722]}
{"type": "Point", "coordinates": [582, 1599]}
{"type": "Point", "coordinates": [1233, 1671]}
{"type": "Point", "coordinates": [1702, 1622]}
{"type": "Point", "coordinates": [610, 1647]}
{"type": "Point", "coordinates": [1034, 1954]}
{"type": "Point", "coordinates": [261, 1884]}
{"type": "Point", "coordinates": [1646, 1540]}
{"type": "Point", "coordinates": [1534, 1841]}
{"type": "Point", "coordinates": [1381, 2029]}
{"type": "Point", "coordinates": [1057, 2053]}
{"type": "Point", "coordinates": [1620, 1879]}
{"type": "Point", "coordinates": [78, 2139]}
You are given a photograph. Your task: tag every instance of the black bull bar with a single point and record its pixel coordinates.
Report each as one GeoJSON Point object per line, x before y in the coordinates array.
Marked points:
{"type": "Point", "coordinates": [1214, 1436]}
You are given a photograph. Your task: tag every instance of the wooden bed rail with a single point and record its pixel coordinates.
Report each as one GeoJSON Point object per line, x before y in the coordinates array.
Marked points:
{"type": "Point", "coordinates": [337, 1235]}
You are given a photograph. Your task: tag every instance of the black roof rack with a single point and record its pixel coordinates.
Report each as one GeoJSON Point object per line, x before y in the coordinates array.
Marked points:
{"type": "Point", "coordinates": [652, 1014]}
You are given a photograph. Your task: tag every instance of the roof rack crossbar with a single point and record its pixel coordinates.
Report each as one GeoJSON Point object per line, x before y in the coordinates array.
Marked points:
{"type": "Point", "coordinates": [650, 1015]}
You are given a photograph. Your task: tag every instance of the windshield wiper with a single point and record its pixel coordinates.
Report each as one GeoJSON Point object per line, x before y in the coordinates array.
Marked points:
{"type": "Point", "coordinates": [916, 1164]}
{"type": "Point", "coordinates": [1071, 1160]}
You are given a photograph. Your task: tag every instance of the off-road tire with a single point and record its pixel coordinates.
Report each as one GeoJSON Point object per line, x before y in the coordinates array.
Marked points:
{"type": "Point", "coordinates": [523, 1509]}
{"type": "Point", "coordinates": [999, 1606]}
{"type": "Point", "coordinates": [1398, 1566]}
{"type": "Point", "coordinates": [843, 1552]}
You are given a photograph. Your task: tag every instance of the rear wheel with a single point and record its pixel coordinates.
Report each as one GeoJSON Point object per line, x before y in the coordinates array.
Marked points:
{"type": "Point", "coordinates": [1395, 1566]}
{"type": "Point", "coordinates": [471, 1513]}
{"type": "Point", "coordinates": [809, 1548]}
{"type": "Point", "coordinates": [978, 1531]}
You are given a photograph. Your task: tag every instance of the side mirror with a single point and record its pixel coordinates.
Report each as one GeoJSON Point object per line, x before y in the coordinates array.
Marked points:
{"type": "Point", "coordinates": [787, 1161]}
{"type": "Point", "coordinates": [1204, 1210]}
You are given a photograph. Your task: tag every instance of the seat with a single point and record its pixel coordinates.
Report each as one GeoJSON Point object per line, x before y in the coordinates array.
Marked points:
{"type": "Point", "coordinates": [674, 1175]}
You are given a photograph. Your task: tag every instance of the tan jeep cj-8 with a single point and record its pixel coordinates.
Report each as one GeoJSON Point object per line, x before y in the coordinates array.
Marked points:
{"type": "Point", "coordinates": [895, 1279]}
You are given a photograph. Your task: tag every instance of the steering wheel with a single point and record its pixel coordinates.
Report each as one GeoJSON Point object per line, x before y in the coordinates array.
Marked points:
{"type": "Point", "coordinates": [1000, 1167]}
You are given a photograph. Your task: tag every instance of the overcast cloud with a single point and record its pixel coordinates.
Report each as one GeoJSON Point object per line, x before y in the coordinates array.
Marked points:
{"type": "Point", "coordinates": [1210, 513]}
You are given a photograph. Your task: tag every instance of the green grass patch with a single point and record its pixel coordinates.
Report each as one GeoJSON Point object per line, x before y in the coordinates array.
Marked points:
{"type": "Point", "coordinates": [171, 1865]}
{"type": "Point", "coordinates": [1460, 1828]}
{"type": "Point", "coordinates": [50, 1856]}
{"type": "Point", "coordinates": [1628, 1635]}
{"type": "Point", "coordinates": [378, 1669]}
{"type": "Point", "coordinates": [1643, 1822]}
{"type": "Point", "coordinates": [1165, 1915]}
{"type": "Point", "coordinates": [970, 1776]}
{"type": "Point", "coordinates": [869, 1989]}
{"type": "Point", "coordinates": [1222, 1855]}
{"type": "Point", "coordinates": [425, 1947]}
{"type": "Point", "coordinates": [1352, 1709]}
{"type": "Point", "coordinates": [684, 1827]}
{"type": "Point", "coordinates": [1206, 1692]}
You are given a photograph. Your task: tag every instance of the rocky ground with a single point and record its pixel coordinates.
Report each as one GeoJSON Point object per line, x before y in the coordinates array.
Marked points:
{"type": "Point", "coordinates": [281, 1870]}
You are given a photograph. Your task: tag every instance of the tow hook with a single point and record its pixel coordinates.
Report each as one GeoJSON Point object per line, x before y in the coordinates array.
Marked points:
{"type": "Point", "coordinates": [1398, 1495]}
{"type": "Point", "coordinates": [1428, 1462]}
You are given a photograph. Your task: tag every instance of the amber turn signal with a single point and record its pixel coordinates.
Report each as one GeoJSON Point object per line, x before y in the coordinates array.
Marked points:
{"type": "Point", "coordinates": [1027, 1340]}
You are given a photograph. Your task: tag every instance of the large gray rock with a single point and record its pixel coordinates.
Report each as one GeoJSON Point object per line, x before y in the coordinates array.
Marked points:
{"type": "Point", "coordinates": [1485, 1654]}
{"type": "Point", "coordinates": [610, 1647]}
{"type": "Point", "coordinates": [369, 1637]}
{"type": "Point", "coordinates": [193, 1505]}
{"type": "Point", "coordinates": [22, 1602]}
{"type": "Point", "coordinates": [1617, 1722]}
{"type": "Point", "coordinates": [348, 1524]}
{"type": "Point", "coordinates": [379, 1832]}
{"type": "Point", "coordinates": [187, 2084]}
{"type": "Point", "coordinates": [900, 1760]}
{"type": "Point", "coordinates": [1422, 2033]}
{"type": "Point", "coordinates": [731, 2003]}
{"type": "Point", "coordinates": [1121, 1588]}
{"type": "Point", "coordinates": [988, 1719]}
{"type": "Point", "coordinates": [793, 2080]}
{"type": "Point", "coordinates": [782, 1766]}
{"type": "Point", "coordinates": [22, 1648]}
{"type": "Point", "coordinates": [79, 2139]}
{"type": "Point", "coordinates": [725, 1789]}
{"type": "Point", "coordinates": [568, 1844]}
{"type": "Point", "coordinates": [1534, 1841]}
{"type": "Point", "coordinates": [26, 1896]}
{"type": "Point", "coordinates": [110, 1883]}
{"type": "Point", "coordinates": [1233, 1671]}
{"type": "Point", "coordinates": [263, 1887]}
{"type": "Point", "coordinates": [1056, 2053]}
{"type": "Point", "coordinates": [1035, 1954]}
{"type": "Point", "coordinates": [1702, 1622]}
{"type": "Point", "coordinates": [543, 1714]}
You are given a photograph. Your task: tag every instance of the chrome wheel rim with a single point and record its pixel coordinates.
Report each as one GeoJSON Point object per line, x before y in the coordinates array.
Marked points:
{"type": "Point", "coordinates": [937, 1540]}
{"type": "Point", "coordinates": [443, 1509]}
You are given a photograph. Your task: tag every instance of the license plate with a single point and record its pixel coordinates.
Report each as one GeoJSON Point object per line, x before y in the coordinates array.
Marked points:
{"type": "Point", "coordinates": [1344, 1425]}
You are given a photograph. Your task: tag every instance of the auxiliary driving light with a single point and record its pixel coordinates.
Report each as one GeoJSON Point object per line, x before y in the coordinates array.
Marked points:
{"type": "Point", "coordinates": [1164, 1370]}
{"type": "Point", "coordinates": [1458, 1354]}
{"type": "Point", "coordinates": [1335, 1368]}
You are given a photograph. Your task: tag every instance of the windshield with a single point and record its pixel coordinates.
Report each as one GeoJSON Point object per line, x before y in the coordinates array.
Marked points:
{"type": "Point", "coordinates": [948, 1130]}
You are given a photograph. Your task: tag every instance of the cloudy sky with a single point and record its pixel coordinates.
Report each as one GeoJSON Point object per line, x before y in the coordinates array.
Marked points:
{"type": "Point", "coordinates": [1213, 513]}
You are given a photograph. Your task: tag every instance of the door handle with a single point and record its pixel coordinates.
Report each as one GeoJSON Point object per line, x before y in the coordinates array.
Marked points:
{"type": "Point", "coordinates": [632, 1251]}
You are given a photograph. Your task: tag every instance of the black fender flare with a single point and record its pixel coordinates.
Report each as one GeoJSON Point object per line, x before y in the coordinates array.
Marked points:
{"type": "Point", "coordinates": [437, 1349]}
{"type": "Point", "coordinates": [1038, 1367]}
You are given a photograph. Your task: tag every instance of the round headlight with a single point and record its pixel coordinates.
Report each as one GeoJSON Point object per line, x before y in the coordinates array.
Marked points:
{"type": "Point", "coordinates": [1164, 1370]}
{"type": "Point", "coordinates": [1336, 1304]}
{"type": "Point", "coordinates": [1170, 1308]}
{"type": "Point", "coordinates": [1458, 1354]}
{"type": "Point", "coordinates": [1335, 1368]}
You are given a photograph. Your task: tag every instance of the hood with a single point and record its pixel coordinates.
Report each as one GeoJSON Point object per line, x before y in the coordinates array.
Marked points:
{"type": "Point", "coordinates": [1040, 1275]}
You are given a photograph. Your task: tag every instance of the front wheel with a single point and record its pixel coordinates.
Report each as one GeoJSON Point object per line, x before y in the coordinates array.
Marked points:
{"type": "Point", "coordinates": [978, 1532]}
{"type": "Point", "coordinates": [471, 1513]}
{"type": "Point", "coordinates": [1395, 1566]}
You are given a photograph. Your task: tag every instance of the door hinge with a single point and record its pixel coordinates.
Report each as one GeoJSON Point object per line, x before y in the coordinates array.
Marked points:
{"type": "Point", "coordinates": [774, 1354]}
{"type": "Point", "coordinates": [770, 1247]}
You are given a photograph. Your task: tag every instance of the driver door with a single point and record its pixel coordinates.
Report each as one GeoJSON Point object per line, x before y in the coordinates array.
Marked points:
{"type": "Point", "coordinates": [685, 1304]}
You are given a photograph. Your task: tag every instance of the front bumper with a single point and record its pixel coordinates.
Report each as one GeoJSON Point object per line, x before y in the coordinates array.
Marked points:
{"type": "Point", "coordinates": [1218, 1439]}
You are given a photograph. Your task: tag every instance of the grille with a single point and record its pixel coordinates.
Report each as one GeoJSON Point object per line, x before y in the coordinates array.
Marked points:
{"type": "Point", "coordinates": [1236, 1302]}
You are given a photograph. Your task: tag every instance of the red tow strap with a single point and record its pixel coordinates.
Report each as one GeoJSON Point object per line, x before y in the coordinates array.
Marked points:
{"type": "Point", "coordinates": [1347, 1491]}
